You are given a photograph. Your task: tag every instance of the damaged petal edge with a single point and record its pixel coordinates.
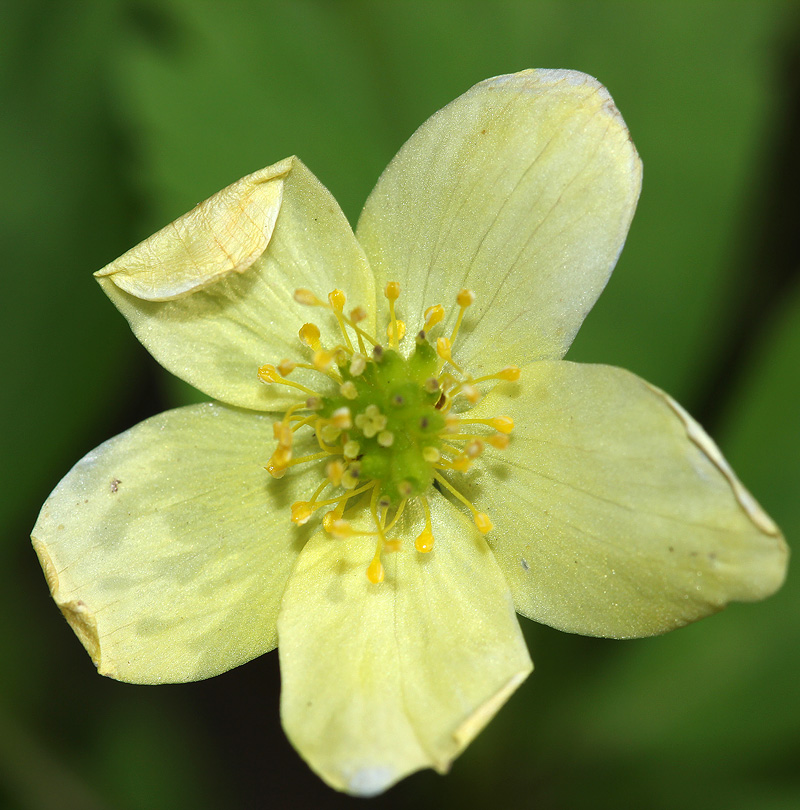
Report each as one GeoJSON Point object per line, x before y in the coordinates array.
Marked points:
{"type": "Point", "coordinates": [80, 618]}
{"type": "Point", "coordinates": [225, 234]}
{"type": "Point", "coordinates": [703, 441]}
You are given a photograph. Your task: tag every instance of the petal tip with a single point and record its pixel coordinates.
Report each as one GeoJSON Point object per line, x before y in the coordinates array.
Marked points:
{"type": "Point", "coordinates": [371, 781]}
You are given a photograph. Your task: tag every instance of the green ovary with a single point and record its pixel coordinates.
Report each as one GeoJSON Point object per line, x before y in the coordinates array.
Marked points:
{"type": "Point", "coordinates": [395, 421]}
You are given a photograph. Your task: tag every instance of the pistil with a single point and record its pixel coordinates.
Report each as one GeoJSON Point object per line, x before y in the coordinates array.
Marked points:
{"type": "Point", "coordinates": [383, 422]}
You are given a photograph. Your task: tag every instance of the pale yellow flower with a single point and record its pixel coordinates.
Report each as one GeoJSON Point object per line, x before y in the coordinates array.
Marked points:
{"type": "Point", "coordinates": [480, 476]}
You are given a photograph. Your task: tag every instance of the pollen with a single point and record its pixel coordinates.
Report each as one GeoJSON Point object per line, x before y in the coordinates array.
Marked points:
{"type": "Point", "coordinates": [390, 426]}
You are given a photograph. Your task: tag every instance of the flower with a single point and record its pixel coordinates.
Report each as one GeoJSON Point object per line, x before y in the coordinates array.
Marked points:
{"type": "Point", "coordinates": [465, 474]}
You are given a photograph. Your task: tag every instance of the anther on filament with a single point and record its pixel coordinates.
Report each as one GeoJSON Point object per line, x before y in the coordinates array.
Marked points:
{"type": "Point", "coordinates": [309, 334]}
{"type": "Point", "coordinates": [391, 427]}
{"type": "Point", "coordinates": [307, 298]}
{"type": "Point", "coordinates": [336, 299]}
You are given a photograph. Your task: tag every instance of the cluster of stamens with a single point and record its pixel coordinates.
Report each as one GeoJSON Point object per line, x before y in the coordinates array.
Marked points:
{"type": "Point", "coordinates": [385, 424]}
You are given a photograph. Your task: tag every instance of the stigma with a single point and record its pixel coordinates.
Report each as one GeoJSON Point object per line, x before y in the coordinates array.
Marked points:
{"type": "Point", "coordinates": [389, 428]}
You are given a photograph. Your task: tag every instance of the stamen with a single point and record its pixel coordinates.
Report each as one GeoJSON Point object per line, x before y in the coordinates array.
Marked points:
{"type": "Point", "coordinates": [499, 441]}
{"type": "Point", "coordinates": [309, 334]}
{"type": "Point", "coordinates": [424, 542]}
{"type": "Point", "coordinates": [307, 298]}
{"type": "Point", "coordinates": [392, 293]}
{"type": "Point", "coordinates": [444, 348]}
{"type": "Point", "coordinates": [341, 418]}
{"type": "Point", "coordinates": [337, 301]}
{"type": "Point", "coordinates": [400, 327]}
{"type": "Point", "coordinates": [286, 367]}
{"type": "Point", "coordinates": [301, 512]}
{"type": "Point", "coordinates": [269, 374]}
{"type": "Point", "coordinates": [481, 518]}
{"type": "Point", "coordinates": [334, 471]}
{"type": "Point", "coordinates": [505, 424]}
{"type": "Point", "coordinates": [464, 299]}
{"type": "Point", "coordinates": [375, 572]}
{"type": "Point", "coordinates": [433, 315]}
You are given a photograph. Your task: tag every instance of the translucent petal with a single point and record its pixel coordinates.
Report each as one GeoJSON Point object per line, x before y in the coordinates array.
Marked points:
{"type": "Point", "coordinates": [217, 335]}
{"type": "Point", "coordinates": [614, 513]}
{"type": "Point", "coordinates": [168, 547]}
{"type": "Point", "coordinates": [382, 680]}
{"type": "Point", "coordinates": [522, 190]}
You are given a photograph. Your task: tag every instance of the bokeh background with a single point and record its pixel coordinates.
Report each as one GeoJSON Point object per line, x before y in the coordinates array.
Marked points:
{"type": "Point", "coordinates": [118, 115]}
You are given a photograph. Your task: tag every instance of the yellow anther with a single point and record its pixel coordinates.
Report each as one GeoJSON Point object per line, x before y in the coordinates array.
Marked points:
{"type": "Point", "coordinates": [375, 572]}
{"type": "Point", "coordinates": [509, 373]}
{"type": "Point", "coordinates": [499, 440]}
{"type": "Point", "coordinates": [451, 423]}
{"type": "Point", "coordinates": [505, 424]}
{"type": "Point", "coordinates": [306, 297]}
{"type": "Point", "coordinates": [268, 374]}
{"type": "Point", "coordinates": [386, 438]}
{"type": "Point", "coordinates": [393, 544]}
{"type": "Point", "coordinates": [443, 348]}
{"type": "Point", "coordinates": [433, 315]}
{"type": "Point", "coordinates": [322, 359]}
{"type": "Point", "coordinates": [465, 298]}
{"type": "Point", "coordinates": [424, 542]}
{"type": "Point", "coordinates": [401, 332]}
{"type": "Point", "coordinates": [358, 314]}
{"type": "Point", "coordinates": [286, 367]}
{"type": "Point", "coordinates": [431, 454]}
{"type": "Point", "coordinates": [471, 393]}
{"type": "Point", "coordinates": [482, 522]}
{"type": "Point", "coordinates": [474, 448]}
{"type": "Point", "coordinates": [357, 365]}
{"type": "Point", "coordinates": [309, 334]}
{"type": "Point", "coordinates": [461, 463]}
{"type": "Point", "coordinates": [334, 470]}
{"type": "Point", "coordinates": [392, 291]}
{"type": "Point", "coordinates": [276, 470]}
{"type": "Point", "coordinates": [301, 512]}
{"type": "Point", "coordinates": [348, 390]}
{"type": "Point", "coordinates": [283, 433]}
{"type": "Point", "coordinates": [341, 528]}
{"type": "Point", "coordinates": [337, 299]}
{"type": "Point", "coordinates": [327, 520]}
{"type": "Point", "coordinates": [342, 418]}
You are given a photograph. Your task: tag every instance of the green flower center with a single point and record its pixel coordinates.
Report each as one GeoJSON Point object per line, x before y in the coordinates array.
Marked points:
{"type": "Point", "coordinates": [384, 423]}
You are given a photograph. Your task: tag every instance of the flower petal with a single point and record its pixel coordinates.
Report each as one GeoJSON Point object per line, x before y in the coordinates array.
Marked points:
{"type": "Point", "coordinates": [382, 680]}
{"type": "Point", "coordinates": [614, 513]}
{"type": "Point", "coordinates": [223, 235]}
{"type": "Point", "coordinates": [522, 190]}
{"type": "Point", "coordinates": [239, 315]}
{"type": "Point", "coordinates": [168, 547]}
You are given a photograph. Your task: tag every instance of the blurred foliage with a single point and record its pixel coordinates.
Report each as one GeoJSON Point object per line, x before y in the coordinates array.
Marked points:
{"type": "Point", "coordinates": [118, 115]}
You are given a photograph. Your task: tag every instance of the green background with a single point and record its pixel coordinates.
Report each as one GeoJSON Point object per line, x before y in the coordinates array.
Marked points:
{"type": "Point", "coordinates": [118, 115]}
